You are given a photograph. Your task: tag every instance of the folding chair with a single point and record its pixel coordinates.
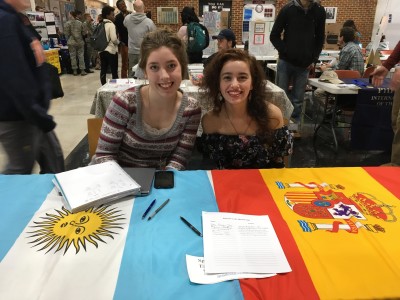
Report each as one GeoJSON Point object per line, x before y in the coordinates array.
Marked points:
{"type": "Point", "coordinates": [336, 112]}
{"type": "Point", "coordinates": [94, 127]}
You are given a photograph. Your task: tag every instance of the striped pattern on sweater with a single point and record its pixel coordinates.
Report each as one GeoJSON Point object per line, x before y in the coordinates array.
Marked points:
{"type": "Point", "coordinates": [123, 137]}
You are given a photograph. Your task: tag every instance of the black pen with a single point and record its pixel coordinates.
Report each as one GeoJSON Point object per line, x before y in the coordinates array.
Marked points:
{"type": "Point", "coordinates": [148, 209]}
{"type": "Point", "coordinates": [191, 226]}
{"type": "Point", "coordinates": [158, 209]}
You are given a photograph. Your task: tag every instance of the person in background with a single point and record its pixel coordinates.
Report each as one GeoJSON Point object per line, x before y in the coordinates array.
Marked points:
{"type": "Point", "coordinates": [74, 32]}
{"type": "Point", "coordinates": [153, 125]}
{"type": "Point", "coordinates": [88, 49]}
{"type": "Point", "coordinates": [24, 90]}
{"type": "Point", "coordinates": [188, 15]}
{"type": "Point", "coordinates": [226, 40]}
{"type": "Point", "coordinates": [95, 54]}
{"type": "Point", "coordinates": [378, 76]}
{"type": "Point", "coordinates": [122, 36]}
{"type": "Point", "coordinates": [138, 26]}
{"type": "Point", "coordinates": [243, 130]}
{"type": "Point", "coordinates": [109, 57]}
{"type": "Point", "coordinates": [350, 57]}
{"type": "Point", "coordinates": [352, 24]}
{"type": "Point", "coordinates": [299, 40]}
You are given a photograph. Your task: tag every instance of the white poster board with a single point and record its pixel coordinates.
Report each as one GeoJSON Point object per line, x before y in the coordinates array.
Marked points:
{"type": "Point", "coordinates": [212, 20]}
{"type": "Point", "coordinates": [259, 43]}
{"type": "Point", "coordinates": [256, 12]}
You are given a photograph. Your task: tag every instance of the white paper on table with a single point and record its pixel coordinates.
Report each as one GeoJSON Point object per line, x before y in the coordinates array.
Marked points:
{"type": "Point", "coordinates": [348, 86]}
{"type": "Point", "coordinates": [51, 29]}
{"type": "Point", "coordinates": [49, 17]}
{"type": "Point", "coordinates": [197, 274]}
{"type": "Point", "coordinates": [241, 243]}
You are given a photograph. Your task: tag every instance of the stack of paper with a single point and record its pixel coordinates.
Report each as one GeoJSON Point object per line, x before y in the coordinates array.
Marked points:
{"type": "Point", "coordinates": [237, 246]}
{"type": "Point", "coordinates": [95, 185]}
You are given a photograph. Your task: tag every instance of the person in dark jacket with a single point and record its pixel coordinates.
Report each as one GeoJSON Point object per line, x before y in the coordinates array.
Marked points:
{"type": "Point", "coordinates": [302, 23]}
{"type": "Point", "coordinates": [122, 36]}
{"type": "Point", "coordinates": [25, 96]}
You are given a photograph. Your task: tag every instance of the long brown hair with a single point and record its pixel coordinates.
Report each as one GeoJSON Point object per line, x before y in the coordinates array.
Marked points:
{"type": "Point", "coordinates": [257, 106]}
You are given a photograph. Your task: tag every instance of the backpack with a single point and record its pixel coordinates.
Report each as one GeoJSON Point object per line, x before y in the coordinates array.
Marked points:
{"type": "Point", "coordinates": [198, 38]}
{"type": "Point", "coordinates": [98, 40]}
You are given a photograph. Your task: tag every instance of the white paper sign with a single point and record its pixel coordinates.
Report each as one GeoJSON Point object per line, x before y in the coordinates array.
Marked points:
{"type": "Point", "coordinates": [241, 243]}
{"type": "Point", "coordinates": [197, 274]}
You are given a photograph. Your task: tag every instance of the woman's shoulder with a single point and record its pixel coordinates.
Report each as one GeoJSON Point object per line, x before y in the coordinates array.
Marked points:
{"type": "Point", "coordinates": [275, 116]}
{"type": "Point", "coordinates": [210, 122]}
{"type": "Point", "coordinates": [128, 96]}
{"type": "Point", "coordinates": [182, 31]}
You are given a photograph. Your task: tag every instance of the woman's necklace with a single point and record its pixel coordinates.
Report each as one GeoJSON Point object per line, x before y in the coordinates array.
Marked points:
{"type": "Point", "coordinates": [163, 158]}
{"type": "Point", "coordinates": [233, 126]}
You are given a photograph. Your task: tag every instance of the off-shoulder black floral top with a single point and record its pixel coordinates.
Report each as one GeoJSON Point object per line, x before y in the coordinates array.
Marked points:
{"type": "Point", "coordinates": [247, 152]}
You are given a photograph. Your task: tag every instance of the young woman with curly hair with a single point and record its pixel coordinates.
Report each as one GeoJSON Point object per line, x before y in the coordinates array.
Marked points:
{"type": "Point", "coordinates": [243, 130]}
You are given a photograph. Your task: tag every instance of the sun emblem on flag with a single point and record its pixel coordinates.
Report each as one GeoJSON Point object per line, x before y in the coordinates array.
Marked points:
{"type": "Point", "coordinates": [61, 230]}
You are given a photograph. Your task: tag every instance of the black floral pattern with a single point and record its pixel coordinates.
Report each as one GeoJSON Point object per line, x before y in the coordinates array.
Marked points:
{"type": "Point", "coordinates": [247, 152]}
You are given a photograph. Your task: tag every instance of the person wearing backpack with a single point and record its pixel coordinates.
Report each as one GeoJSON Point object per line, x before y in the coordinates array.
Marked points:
{"type": "Point", "coordinates": [109, 56]}
{"type": "Point", "coordinates": [192, 32]}
{"type": "Point", "coordinates": [74, 32]}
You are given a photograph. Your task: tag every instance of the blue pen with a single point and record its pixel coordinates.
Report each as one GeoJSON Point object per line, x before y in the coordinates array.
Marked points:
{"type": "Point", "coordinates": [149, 208]}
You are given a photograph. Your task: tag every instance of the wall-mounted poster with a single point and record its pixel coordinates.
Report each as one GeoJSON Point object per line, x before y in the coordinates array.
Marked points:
{"type": "Point", "coordinates": [206, 5]}
{"type": "Point", "coordinates": [331, 13]}
{"type": "Point", "coordinates": [259, 28]}
{"type": "Point", "coordinates": [258, 39]}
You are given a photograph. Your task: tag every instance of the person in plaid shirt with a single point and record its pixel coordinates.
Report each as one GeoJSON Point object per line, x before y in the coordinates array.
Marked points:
{"type": "Point", "coordinates": [350, 57]}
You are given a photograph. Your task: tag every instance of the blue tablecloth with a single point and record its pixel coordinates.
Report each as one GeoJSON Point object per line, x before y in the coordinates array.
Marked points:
{"type": "Point", "coordinates": [371, 125]}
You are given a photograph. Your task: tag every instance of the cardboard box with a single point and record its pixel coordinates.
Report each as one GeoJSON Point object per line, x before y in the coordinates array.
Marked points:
{"type": "Point", "coordinates": [332, 31]}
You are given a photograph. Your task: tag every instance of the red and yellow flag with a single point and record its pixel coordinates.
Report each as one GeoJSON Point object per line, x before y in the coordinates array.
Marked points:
{"type": "Point", "coordinates": [338, 228]}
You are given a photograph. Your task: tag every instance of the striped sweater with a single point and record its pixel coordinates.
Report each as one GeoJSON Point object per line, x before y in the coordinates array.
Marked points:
{"type": "Point", "coordinates": [123, 137]}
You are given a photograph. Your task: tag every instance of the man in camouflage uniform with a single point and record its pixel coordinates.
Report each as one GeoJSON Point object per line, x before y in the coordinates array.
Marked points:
{"type": "Point", "coordinates": [74, 32]}
{"type": "Point", "coordinates": [88, 28]}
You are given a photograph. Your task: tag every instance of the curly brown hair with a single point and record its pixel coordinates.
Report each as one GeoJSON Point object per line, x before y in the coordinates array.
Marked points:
{"type": "Point", "coordinates": [164, 38]}
{"type": "Point", "coordinates": [257, 106]}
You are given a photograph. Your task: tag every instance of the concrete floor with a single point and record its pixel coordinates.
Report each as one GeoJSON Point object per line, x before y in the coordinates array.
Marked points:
{"type": "Point", "coordinates": [71, 112]}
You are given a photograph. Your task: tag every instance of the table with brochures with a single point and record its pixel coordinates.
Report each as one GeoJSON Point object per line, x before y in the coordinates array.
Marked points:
{"type": "Point", "coordinates": [338, 228]}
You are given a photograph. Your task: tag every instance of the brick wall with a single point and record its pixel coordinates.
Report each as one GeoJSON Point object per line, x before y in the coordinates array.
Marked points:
{"type": "Point", "coordinates": [361, 11]}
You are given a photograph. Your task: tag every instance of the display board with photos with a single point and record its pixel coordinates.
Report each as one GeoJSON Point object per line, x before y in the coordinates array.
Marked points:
{"type": "Point", "coordinates": [44, 23]}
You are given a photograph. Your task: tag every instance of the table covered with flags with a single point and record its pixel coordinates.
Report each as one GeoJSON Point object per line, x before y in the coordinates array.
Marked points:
{"type": "Point", "coordinates": [338, 228]}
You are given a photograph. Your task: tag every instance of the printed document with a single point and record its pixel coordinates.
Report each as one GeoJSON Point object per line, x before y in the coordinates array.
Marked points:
{"type": "Point", "coordinates": [241, 243]}
{"type": "Point", "coordinates": [197, 274]}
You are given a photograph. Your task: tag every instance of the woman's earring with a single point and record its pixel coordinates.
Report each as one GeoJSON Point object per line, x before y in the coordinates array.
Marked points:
{"type": "Point", "coordinates": [220, 98]}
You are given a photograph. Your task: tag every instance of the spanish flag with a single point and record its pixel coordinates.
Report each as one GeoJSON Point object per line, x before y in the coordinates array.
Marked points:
{"type": "Point", "coordinates": [338, 227]}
